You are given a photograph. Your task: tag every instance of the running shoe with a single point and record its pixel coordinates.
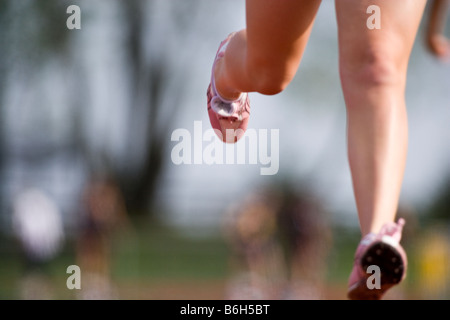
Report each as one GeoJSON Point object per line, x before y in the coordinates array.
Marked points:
{"type": "Point", "coordinates": [384, 251]}
{"type": "Point", "coordinates": [229, 118]}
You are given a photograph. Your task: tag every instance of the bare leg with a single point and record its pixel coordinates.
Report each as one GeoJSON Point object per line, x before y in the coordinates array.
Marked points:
{"type": "Point", "coordinates": [373, 67]}
{"type": "Point", "coordinates": [265, 56]}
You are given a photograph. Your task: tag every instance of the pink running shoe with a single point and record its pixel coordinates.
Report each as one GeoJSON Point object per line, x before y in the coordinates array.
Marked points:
{"type": "Point", "coordinates": [382, 250]}
{"type": "Point", "coordinates": [228, 118]}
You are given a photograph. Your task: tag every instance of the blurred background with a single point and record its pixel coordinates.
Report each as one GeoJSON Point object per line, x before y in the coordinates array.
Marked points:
{"type": "Point", "coordinates": [86, 118]}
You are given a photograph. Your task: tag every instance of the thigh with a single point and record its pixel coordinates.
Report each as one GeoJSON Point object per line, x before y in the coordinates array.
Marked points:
{"type": "Point", "coordinates": [400, 20]}
{"type": "Point", "coordinates": [278, 30]}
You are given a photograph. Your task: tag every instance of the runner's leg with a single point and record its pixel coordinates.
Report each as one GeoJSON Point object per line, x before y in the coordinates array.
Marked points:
{"type": "Point", "coordinates": [373, 69]}
{"type": "Point", "coordinates": [265, 56]}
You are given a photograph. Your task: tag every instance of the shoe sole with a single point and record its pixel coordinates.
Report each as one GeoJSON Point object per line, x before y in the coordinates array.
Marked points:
{"type": "Point", "coordinates": [392, 268]}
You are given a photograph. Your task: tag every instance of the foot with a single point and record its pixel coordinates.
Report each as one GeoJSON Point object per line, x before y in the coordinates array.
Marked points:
{"type": "Point", "coordinates": [384, 251]}
{"type": "Point", "coordinates": [229, 118]}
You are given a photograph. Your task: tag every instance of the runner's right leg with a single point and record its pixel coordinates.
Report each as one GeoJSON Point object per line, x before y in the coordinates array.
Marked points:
{"type": "Point", "coordinates": [262, 58]}
{"type": "Point", "coordinates": [265, 56]}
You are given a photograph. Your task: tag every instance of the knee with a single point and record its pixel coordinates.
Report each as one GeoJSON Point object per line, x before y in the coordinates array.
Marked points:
{"type": "Point", "coordinates": [373, 68]}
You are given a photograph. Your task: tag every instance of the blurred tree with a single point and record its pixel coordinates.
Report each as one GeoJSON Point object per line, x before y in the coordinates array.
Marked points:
{"type": "Point", "coordinates": [440, 209]}
{"type": "Point", "coordinates": [33, 32]}
{"type": "Point", "coordinates": [29, 36]}
{"type": "Point", "coordinates": [3, 65]}
{"type": "Point", "coordinates": [155, 93]}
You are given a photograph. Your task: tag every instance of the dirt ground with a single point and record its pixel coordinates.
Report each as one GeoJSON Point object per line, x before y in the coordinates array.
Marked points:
{"type": "Point", "coordinates": [217, 290]}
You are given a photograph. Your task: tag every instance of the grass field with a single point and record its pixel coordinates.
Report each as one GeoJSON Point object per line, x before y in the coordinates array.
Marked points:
{"type": "Point", "coordinates": [158, 262]}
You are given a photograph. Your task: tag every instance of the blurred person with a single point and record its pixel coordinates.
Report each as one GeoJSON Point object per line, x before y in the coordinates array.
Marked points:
{"type": "Point", "coordinates": [257, 257]}
{"type": "Point", "coordinates": [308, 239]}
{"type": "Point", "coordinates": [38, 225]}
{"type": "Point", "coordinates": [436, 40]}
{"type": "Point", "coordinates": [104, 215]}
{"type": "Point", "coordinates": [280, 241]}
{"type": "Point", "coordinates": [375, 44]}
